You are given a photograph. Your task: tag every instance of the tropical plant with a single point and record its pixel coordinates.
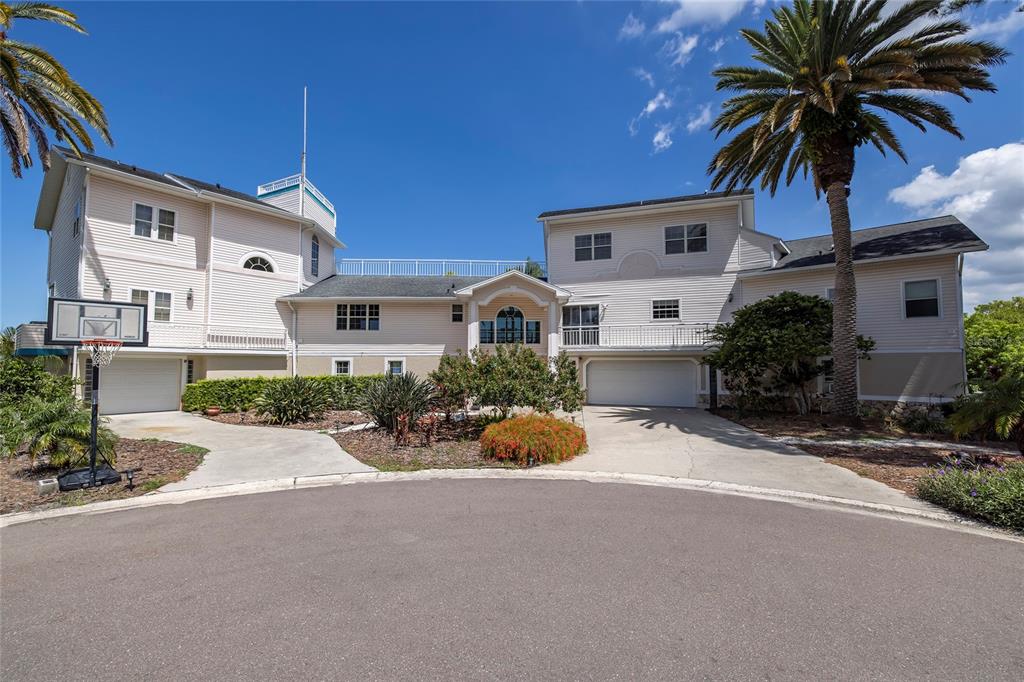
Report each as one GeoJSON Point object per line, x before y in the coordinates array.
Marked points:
{"type": "Point", "coordinates": [7, 342]}
{"type": "Point", "coordinates": [998, 409]}
{"type": "Point", "coordinates": [992, 493]}
{"type": "Point", "coordinates": [453, 379]}
{"type": "Point", "coordinates": [994, 340]}
{"type": "Point", "coordinates": [294, 399]}
{"type": "Point", "coordinates": [533, 269]}
{"type": "Point", "coordinates": [37, 92]}
{"type": "Point", "coordinates": [59, 429]}
{"type": "Point", "coordinates": [831, 71]}
{"type": "Point", "coordinates": [513, 376]}
{"type": "Point", "coordinates": [533, 439]}
{"type": "Point", "coordinates": [22, 378]}
{"type": "Point", "coordinates": [396, 403]}
{"type": "Point", "coordinates": [776, 345]}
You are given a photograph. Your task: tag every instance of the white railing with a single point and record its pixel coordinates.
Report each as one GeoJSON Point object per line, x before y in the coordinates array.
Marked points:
{"type": "Point", "coordinates": [291, 181]}
{"type": "Point", "coordinates": [636, 336]}
{"type": "Point", "coordinates": [430, 267]}
{"type": "Point", "coordinates": [171, 335]}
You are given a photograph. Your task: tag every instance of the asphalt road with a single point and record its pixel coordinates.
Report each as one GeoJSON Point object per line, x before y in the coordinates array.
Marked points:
{"type": "Point", "coordinates": [490, 579]}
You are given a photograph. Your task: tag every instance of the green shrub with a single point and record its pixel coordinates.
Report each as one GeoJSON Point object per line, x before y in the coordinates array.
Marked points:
{"type": "Point", "coordinates": [396, 402]}
{"type": "Point", "coordinates": [453, 380]}
{"type": "Point", "coordinates": [998, 409]}
{"type": "Point", "coordinates": [513, 376]}
{"type": "Point", "coordinates": [235, 395]}
{"type": "Point", "coordinates": [59, 430]}
{"type": "Point", "coordinates": [568, 392]}
{"type": "Point", "coordinates": [22, 378]}
{"type": "Point", "coordinates": [533, 439]}
{"type": "Point", "coordinates": [993, 494]}
{"type": "Point", "coordinates": [294, 399]}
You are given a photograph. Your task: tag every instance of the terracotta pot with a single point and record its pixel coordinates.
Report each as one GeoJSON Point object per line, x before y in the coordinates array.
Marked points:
{"type": "Point", "coordinates": [212, 411]}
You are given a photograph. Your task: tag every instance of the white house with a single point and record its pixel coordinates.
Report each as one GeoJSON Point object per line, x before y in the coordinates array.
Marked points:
{"type": "Point", "coordinates": [242, 285]}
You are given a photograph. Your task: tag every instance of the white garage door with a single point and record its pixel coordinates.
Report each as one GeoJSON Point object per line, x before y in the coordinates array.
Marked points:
{"type": "Point", "coordinates": [140, 385]}
{"type": "Point", "coordinates": [654, 383]}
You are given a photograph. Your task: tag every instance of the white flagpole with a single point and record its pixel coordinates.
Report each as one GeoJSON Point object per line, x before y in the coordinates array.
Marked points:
{"type": "Point", "coordinates": [302, 172]}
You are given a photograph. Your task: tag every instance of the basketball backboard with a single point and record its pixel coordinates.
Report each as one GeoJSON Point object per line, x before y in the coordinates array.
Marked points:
{"type": "Point", "coordinates": [71, 321]}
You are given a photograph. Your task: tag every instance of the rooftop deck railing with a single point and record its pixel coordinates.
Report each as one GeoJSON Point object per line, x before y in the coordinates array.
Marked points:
{"type": "Point", "coordinates": [291, 181]}
{"type": "Point", "coordinates": [438, 267]}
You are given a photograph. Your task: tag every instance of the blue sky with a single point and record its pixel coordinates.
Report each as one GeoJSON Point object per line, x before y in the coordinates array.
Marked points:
{"type": "Point", "coordinates": [442, 130]}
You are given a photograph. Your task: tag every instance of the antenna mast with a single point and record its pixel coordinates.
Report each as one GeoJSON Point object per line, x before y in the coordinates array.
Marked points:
{"type": "Point", "coordinates": [302, 172]}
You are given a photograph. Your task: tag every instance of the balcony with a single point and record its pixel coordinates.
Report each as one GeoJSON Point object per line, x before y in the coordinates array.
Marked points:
{"type": "Point", "coordinates": [293, 181]}
{"type": "Point", "coordinates": [636, 336]}
{"type": "Point", "coordinates": [197, 336]}
{"type": "Point", "coordinates": [426, 267]}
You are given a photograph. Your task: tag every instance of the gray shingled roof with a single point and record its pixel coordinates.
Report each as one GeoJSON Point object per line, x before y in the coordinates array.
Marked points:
{"type": "Point", "coordinates": [174, 180]}
{"type": "Point", "coordinates": [383, 286]}
{"type": "Point", "coordinates": [646, 202]}
{"type": "Point", "coordinates": [944, 233]}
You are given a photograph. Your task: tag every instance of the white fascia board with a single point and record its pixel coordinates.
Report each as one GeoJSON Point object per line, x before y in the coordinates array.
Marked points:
{"type": "Point", "coordinates": [886, 259]}
{"type": "Point", "coordinates": [468, 290]}
{"type": "Point", "coordinates": [650, 208]}
{"type": "Point", "coordinates": [432, 299]}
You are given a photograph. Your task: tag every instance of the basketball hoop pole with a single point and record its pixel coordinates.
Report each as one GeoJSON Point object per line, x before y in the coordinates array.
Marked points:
{"type": "Point", "coordinates": [95, 379]}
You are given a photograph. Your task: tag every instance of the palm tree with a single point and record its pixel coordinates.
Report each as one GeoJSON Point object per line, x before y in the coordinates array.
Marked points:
{"type": "Point", "coordinates": [36, 92]}
{"type": "Point", "coordinates": [831, 71]}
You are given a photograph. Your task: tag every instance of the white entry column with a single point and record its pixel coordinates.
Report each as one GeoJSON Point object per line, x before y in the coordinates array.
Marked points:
{"type": "Point", "coordinates": [554, 338]}
{"type": "Point", "coordinates": [473, 329]}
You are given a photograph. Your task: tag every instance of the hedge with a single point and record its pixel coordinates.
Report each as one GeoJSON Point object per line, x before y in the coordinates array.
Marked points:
{"type": "Point", "coordinates": [236, 395]}
{"type": "Point", "coordinates": [533, 439]}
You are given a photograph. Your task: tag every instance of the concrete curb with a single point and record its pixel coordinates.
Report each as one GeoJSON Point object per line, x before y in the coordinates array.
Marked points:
{"type": "Point", "coordinates": [935, 516]}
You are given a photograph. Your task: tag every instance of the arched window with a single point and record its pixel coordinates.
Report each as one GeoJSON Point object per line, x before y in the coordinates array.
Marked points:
{"type": "Point", "coordinates": [258, 263]}
{"type": "Point", "coordinates": [314, 257]}
{"type": "Point", "coordinates": [508, 325]}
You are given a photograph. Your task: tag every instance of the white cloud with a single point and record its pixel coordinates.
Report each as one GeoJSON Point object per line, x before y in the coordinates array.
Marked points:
{"type": "Point", "coordinates": [717, 45]}
{"type": "Point", "coordinates": [631, 28]}
{"type": "Point", "coordinates": [986, 192]}
{"type": "Point", "coordinates": [680, 48]}
{"type": "Point", "coordinates": [659, 101]}
{"type": "Point", "coordinates": [700, 12]}
{"type": "Point", "coordinates": [663, 137]}
{"type": "Point", "coordinates": [700, 119]}
{"type": "Point", "coordinates": [644, 75]}
{"type": "Point", "coordinates": [1001, 29]}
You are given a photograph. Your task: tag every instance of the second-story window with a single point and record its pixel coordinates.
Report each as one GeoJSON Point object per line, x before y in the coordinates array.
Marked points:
{"type": "Point", "coordinates": [159, 303]}
{"type": "Point", "coordinates": [686, 238]}
{"type": "Point", "coordinates": [314, 257]}
{"type": "Point", "coordinates": [593, 246]}
{"type": "Point", "coordinates": [921, 298]}
{"type": "Point", "coordinates": [665, 309]}
{"type": "Point", "coordinates": [258, 263]}
{"type": "Point", "coordinates": [165, 220]}
{"type": "Point", "coordinates": [358, 316]}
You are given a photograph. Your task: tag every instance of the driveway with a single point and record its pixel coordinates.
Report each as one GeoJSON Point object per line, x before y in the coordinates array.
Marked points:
{"type": "Point", "coordinates": [504, 580]}
{"type": "Point", "coordinates": [696, 444]}
{"type": "Point", "coordinates": [240, 454]}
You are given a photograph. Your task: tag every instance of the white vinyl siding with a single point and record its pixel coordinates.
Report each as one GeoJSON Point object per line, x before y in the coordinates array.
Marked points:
{"type": "Point", "coordinates": [702, 298]}
{"type": "Point", "coordinates": [880, 312]}
{"type": "Point", "coordinates": [66, 246]}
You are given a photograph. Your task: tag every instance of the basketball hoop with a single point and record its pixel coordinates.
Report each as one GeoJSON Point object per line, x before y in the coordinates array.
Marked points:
{"type": "Point", "coordinates": [102, 350]}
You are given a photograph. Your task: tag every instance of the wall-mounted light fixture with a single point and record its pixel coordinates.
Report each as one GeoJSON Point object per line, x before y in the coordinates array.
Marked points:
{"type": "Point", "coordinates": [106, 286]}
{"type": "Point", "coordinates": [188, 295]}
{"type": "Point", "coordinates": [730, 297]}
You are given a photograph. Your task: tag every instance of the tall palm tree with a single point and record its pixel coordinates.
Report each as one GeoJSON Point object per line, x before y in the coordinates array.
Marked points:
{"type": "Point", "coordinates": [37, 92]}
{"type": "Point", "coordinates": [831, 71]}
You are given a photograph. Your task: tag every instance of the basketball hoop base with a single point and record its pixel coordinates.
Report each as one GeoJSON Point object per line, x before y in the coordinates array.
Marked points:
{"type": "Point", "coordinates": [78, 479]}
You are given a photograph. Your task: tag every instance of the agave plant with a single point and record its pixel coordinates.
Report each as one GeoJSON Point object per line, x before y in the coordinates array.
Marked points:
{"type": "Point", "coordinates": [58, 430]}
{"type": "Point", "coordinates": [293, 400]}
{"type": "Point", "coordinates": [999, 408]}
{"type": "Point", "coordinates": [397, 401]}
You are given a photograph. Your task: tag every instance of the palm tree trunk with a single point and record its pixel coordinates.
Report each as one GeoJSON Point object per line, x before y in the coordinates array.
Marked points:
{"type": "Point", "coordinates": [844, 307]}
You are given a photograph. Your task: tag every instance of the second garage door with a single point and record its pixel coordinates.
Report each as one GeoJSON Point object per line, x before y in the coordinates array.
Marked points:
{"type": "Point", "coordinates": [653, 383]}
{"type": "Point", "coordinates": [140, 385]}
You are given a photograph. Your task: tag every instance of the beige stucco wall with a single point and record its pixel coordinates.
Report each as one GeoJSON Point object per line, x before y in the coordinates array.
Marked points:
{"type": "Point", "coordinates": [234, 366]}
{"type": "Point", "coordinates": [421, 365]}
{"type": "Point", "coordinates": [911, 376]}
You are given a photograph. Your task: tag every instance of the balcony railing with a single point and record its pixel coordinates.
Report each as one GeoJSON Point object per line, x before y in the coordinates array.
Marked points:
{"type": "Point", "coordinates": [667, 336]}
{"type": "Point", "coordinates": [439, 267]}
{"type": "Point", "coordinates": [171, 335]}
{"type": "Point", "coordinates": [291, 181]}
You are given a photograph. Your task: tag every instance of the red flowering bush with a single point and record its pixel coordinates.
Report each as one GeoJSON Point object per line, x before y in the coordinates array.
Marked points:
{"type": "Point", "coordinates": [533, 439]}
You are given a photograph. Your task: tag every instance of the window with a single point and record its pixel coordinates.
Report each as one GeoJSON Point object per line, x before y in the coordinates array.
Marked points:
{"type": "Point", "coordinates": [486, 331]}
{"type": "Point", "coordinates": [314, 257]}
{"type": "Point", "coordinates": [508, 325]}
{"type": "Point", "coordinates": [580, 325]}
{"type": "Point", "coordinates": [190, 371]}
{"type": "Point", "coordinates": [456, 312]}
{"type": "Point", "coordinates": [921, 298]}
{"type": "Point", "coordinates": [594, 246]}
{"type": "Point", "coordinates": [830, 293]}
{"type": "Point", "coordinates": [395, 365]}
{"type": "Point", "coordinates": [343, 366]}
{"type": "Point", "coordinates": [533, 331]}
{"type": "Point", "coordinates": [665, 309]}
{"type": "Point", "coordinates": [258, 263]}
{"type": "Point", "coordinates": [87, 381]}
{"type": "Point", "coordinates": [686, 238]}
{"type": "Point", "coordinates": [358, 316]}
{"type": "Point", "coordinates": [160, 310]}
{"type": "Point", "coordinates": [165, 221]}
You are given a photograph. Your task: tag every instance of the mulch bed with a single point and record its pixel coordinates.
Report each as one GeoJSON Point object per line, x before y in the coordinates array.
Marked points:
{"type": "Point", "coordinates": [156, 462]}
{"type": "Point", "coordinates": [455, 446]}
{"type": "Point", "coordinates": [333, 419]}
{"type": "Point", "coordinates": [898, 467]}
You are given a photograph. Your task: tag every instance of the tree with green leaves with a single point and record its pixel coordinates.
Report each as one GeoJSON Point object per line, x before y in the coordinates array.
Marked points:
{"type": "Point", "coordinates": [994, 340]}
{"type": "Point", "coordinates": [776, 346]}
{"type": "Point", "coordinates": [830, 73]}
{"type": "Point", "coordinates": [37, 93]}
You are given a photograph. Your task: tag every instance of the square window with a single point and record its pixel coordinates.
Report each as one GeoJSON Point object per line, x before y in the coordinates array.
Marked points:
{"type": "Point", "coordinates": [343, 367]}
{"type": "Point", "coordinates": [456, 312]}
{"type": "Point", "coordinates": [487, 331]}
{"type": "Point", "coordinates": [696, 238]}
{"type": "Point", "coordinates": [921, 298]}
{"type": "Point", "coordinates": [143, 220]}
{"type": "Point", "coordinates": [830, 293]}
{"type": "Point", "coordinates": [533, 331]}
{"type": "Point", "coordinates": [396, 366]}
{"type": "Point", "coordinates": [140, 296]}
{"type": "Point", "coordinates": [665, 309]}
{"type": "Point", "coordinates": [593, 246]}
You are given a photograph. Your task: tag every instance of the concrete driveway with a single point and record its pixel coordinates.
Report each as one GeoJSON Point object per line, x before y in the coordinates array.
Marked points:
{"type": "Point", "coordinates": [696, 444]}
{"type": "Point", "coordinates": [240, 454]}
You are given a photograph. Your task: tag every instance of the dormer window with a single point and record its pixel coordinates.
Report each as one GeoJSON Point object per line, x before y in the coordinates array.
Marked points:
{"type": "Point", "coordinates": [594, 246]}
{"type": "Point", "coordinates": [258, 263]}
{"type": "Point", "coordinates": [686, 238]}
{"type": "Point", "coordinates": [314, 257]}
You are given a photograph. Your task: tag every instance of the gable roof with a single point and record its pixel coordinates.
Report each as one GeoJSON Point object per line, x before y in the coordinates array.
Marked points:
{"type": "Point", "coordinates": [647, 202]}
{"type": "Point", "coordinates": [917, 237]}
{"type": "Point", "coordinates": [385, 286]}
{"type": "Point", "coordinates": [514, 274]}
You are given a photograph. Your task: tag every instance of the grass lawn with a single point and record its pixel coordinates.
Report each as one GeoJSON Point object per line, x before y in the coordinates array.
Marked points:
{"type": "Point", "coordinates": [156, 462]}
